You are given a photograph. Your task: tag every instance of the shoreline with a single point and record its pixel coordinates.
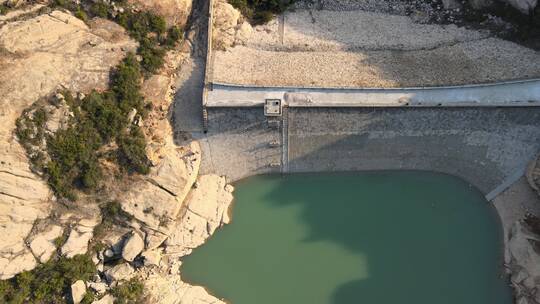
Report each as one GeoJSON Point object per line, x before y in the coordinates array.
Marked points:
{"type": "Point", "coordinates": [510, 205]}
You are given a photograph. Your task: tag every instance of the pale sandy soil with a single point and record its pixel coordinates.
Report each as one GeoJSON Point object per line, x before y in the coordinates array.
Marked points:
{"type": "Point", "coordinates": [368, 49]}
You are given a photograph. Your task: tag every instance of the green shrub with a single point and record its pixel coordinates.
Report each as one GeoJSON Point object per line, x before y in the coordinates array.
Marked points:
{"type": "Point", "coordinates": [261, 11]}
{"type": "Point", "coordinates": [47, 283]}
{"type": "Point", "coordinates": [101, 117]}
{"type": "Point", "coordinates": [30, 127]}
{"type": "Point", "coordinates": [73, 158]}
{"type": "Point", "coordinates": [151, 32]}
{"type": "Point", "coordinates": [131, 152]}
{"type": "Point", "coordinates": [89, 297]}
{"type": "Point", "coordinates": [152, 55]}
{"type": "Point", "coordinates": [81, 15]}
{"type": "Point", "coordinates": [103, 111]}
{"type": "Point", "coordinates": [66, 4]}
{"type": "Point", "coordinates": [99, 9]}
{"type": "Point", "coordinates": [126, 85]}
{"type": "Point", "coordinates": [131, 292]}
{"type": "Point", "coordinates": [4, 9]}
{"type": "Point", "coordinates": [98, 119]}
{"type": "Point", "coordinates": [174, 33]}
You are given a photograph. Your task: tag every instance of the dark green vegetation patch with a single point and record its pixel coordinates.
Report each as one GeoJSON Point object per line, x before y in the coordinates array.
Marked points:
{"type": "Point", "coordinates": [99, 120]}
{"type": "Point", "coordinates": [99, 128]}
{"type": "Point", "coordinates": [261, 11]}
{"type": "Point", "coordinates": [50, 283]}
{"type": "Point", "coordinates": [47, 283]}
{"type": "Point", "coordinates": [131, 292]}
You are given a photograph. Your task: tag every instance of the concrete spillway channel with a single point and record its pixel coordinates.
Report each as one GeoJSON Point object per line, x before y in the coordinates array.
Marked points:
{"type": "Point", "coordinates": [484, 133]}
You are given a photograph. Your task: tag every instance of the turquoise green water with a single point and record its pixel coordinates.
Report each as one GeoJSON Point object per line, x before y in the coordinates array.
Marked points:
{"type": "Point", "coordinates": [375, 238]}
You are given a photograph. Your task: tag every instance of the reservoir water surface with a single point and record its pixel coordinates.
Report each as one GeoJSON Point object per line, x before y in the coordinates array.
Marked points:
{"type": "Point", "coordinates": [389, 237]}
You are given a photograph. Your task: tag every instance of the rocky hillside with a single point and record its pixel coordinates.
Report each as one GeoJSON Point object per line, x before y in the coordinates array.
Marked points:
{"type": "Point", "coordinates": [39, 55]}
{"type": "Point", "coordinates": [132, 229]}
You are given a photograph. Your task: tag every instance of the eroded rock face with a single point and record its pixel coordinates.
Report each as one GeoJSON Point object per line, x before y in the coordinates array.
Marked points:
{"type": "Point", "coordinates": [156, 201]}
{"type": "Point", "coordinates": [524, 263]}
{"type": "Point", "coordinates": [206, 209]}
{"type": "Point", "coordinates": [171, 290]}
{"type": "Point", "coordinates": [39, 55]}
{"type": "Point", "coordinates": [229, 28]}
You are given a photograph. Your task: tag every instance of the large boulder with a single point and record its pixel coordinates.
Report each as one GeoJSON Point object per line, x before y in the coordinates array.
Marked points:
{"type": "Point", "coordinates": [132, 247]}
{"type": "Point", "coordinates": [79, 237]}
{"type": "Point", "coordinates": [39, 55]}
{"type": "Point", "coordinates": [42, 245]}
{"type": "Point", "coordinates": [120, 272]}
{"type": "Point", "coordinates": [206, 209]}
{"type": "Point", "coordinates": [78, 290]}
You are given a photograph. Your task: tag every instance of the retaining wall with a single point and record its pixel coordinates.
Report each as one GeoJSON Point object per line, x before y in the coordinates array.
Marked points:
{"type": "Point", "coordinates": [487, 146]}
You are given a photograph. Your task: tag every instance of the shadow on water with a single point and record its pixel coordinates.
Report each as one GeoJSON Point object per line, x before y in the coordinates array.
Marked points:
{"type": "Point", "coordinates": [428, 238]}
{"type": "Point", "coordinates": [385, 237]}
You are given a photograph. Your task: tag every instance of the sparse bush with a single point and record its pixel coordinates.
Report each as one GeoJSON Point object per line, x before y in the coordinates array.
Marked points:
{"type": "Point", "coordinates": [81, 15]}
{"type": "Point", "coordinates": [31, 126]}
{"type": "Point", "coordinates": [151, 53]}
{"type": "Point", "coordinates": [131, 152]}
{"type": "Point", "coordinates": [89, 297]}
{"type": "Point", "coordinates": [99, 9]}
{"type": "Point", "coordinates": [47, 283]}
{"type": "Point", "coordinates": [111, 214]}
{"type": "Point", "coordinates": [131, 292]}
{"type": "Point", "coordinates": [103, 111]}
{"type": "Point", "coordinates": [66, 4]}
{"type": "Point", "coordinates": [149, 29]}
{"type": "Point", "coordinates": [98, 119]}
{"type": "Point", "coordinates": [173, 36]}
{"type": "Point", "coordinates": [73, 158]}
{"type": "Point", "coordinates": [4, 9]}
{"type": "Point", "coordinates": [126, 85]}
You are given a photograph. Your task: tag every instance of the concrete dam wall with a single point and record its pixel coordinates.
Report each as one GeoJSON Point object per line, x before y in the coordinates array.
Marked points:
{"type": "Point", "coordinates": [487, 146]}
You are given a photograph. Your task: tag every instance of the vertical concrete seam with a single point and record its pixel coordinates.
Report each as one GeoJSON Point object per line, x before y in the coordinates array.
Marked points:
{"type": "Point", "coordinates": [208, 63]}
{"type": "Point", "coordinates": [285, 140]}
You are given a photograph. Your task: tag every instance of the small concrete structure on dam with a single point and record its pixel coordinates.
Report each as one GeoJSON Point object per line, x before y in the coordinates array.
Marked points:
{"type": "Point", "coordinates": [367, 102]}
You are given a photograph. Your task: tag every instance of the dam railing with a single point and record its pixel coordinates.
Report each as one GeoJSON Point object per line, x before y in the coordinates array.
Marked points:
{"type": "Point", "coordinates": [500, 94]}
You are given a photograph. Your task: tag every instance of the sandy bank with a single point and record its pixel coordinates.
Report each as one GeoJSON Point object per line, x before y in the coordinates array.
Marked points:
{"type": "Point", "coordinates": [369, 49]}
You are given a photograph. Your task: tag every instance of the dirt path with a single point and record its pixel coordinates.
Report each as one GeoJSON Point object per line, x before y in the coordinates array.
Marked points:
{"type": "Point", "coordinates": [187, 115]}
